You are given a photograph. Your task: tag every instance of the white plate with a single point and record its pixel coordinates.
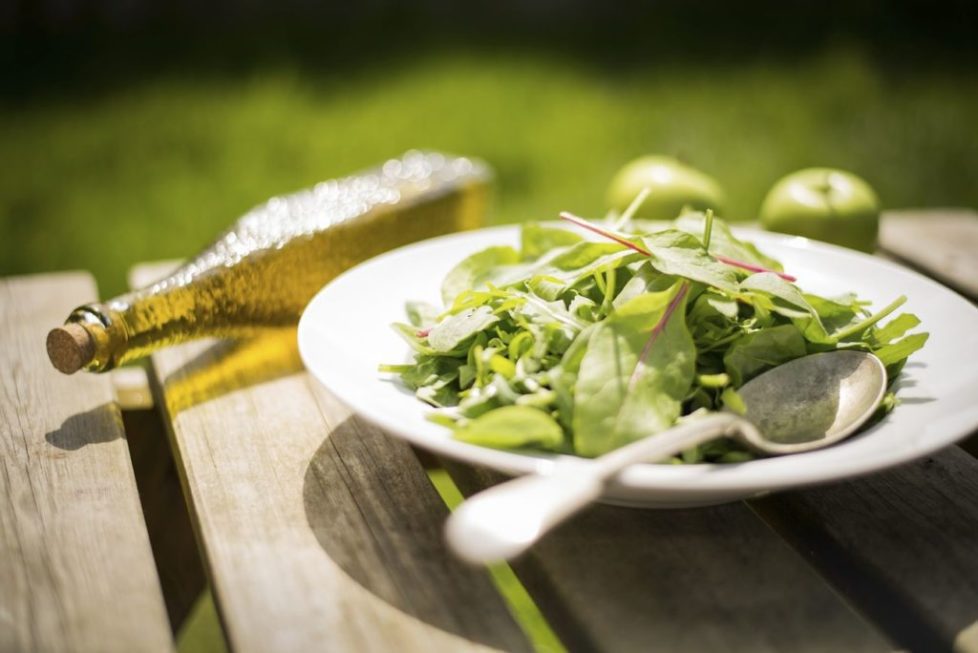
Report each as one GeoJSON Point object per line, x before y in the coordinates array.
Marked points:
{"type": "Point", "coordinates": [345, 334]}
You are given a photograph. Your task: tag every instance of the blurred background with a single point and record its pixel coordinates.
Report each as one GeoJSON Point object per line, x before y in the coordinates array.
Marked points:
{"type": "Point", "coordinates": [134, 130]}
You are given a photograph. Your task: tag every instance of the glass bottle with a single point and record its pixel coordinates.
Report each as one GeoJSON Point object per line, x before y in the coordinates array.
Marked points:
{"type": "Point", "coordinates": [261, 272]}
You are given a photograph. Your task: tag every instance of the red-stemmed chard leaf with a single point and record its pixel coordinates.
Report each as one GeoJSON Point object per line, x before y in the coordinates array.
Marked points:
{"type": "Point", "coordinates": [753, 268]}
{"type": "Point", "coordinates": [636, 371]}
{"type": "Point", "coordinates": [590, 226]}
{"type": "Point", "coordinates": [654, 334]}
{"type": "Point", "coordinates": [622, 240]}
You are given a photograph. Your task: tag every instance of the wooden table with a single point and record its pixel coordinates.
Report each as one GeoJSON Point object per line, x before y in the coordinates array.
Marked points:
{"type": "Point", "coordinates": [318, 532]}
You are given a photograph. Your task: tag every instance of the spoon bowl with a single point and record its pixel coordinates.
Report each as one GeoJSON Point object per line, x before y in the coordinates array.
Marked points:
{"type": "Point", "coordinates": [806, 404]}
{"type": "Point", "coordinates": [812, 402]}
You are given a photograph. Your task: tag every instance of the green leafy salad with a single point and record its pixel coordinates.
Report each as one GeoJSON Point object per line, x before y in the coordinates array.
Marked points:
{"type": "Point", "coordinates": [580, 346]}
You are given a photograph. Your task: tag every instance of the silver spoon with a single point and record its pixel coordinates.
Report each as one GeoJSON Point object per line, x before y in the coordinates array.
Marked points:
{"type": "Point", "coordinates": [806, 404]}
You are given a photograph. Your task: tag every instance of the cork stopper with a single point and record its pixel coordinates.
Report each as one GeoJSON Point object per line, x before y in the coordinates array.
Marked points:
{"type": "Point", "coordinates": [70, 347]}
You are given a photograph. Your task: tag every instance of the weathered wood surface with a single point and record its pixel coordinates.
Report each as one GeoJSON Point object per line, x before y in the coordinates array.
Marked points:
{"type": "Point", "coordinates": [941, 243]}
{"type": "Point", "coordinates": [318, 532]}
{"type": "Point", "coordinates": [707, 579]}
{"type": "Point", "coordinates": [901, 545]}
{"type": "Point", "coordinates": [76, 569]}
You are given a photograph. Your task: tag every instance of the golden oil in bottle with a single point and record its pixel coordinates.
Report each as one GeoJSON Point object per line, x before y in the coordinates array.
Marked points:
{"type": "Point", "coordinates": [262, 271]}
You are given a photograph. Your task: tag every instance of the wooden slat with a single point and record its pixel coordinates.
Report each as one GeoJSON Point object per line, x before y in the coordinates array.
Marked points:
{"type": "Point", "coordinates": [902, 545]}
{"type": "Point", "coordinates": [318, 531]}
{"type": "Point", "coordinates": [942, 243]}
{"type": "Point", "coordinates": [76, 570]}
{"type": "Point", "coordinates": [709, 579]}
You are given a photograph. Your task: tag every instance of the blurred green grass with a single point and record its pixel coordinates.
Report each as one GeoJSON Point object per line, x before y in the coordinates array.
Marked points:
{"type": "Point", "coordinates": [155, 167]}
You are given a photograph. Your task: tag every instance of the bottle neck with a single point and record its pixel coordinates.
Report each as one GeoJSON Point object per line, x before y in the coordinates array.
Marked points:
{"type": "Point", "coordinates": [108, 334]}
{"type": "Point", "coordinates": [178, 308]}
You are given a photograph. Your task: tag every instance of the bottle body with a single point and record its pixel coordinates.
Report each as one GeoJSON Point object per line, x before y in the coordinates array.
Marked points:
{"type": "Point", "coordinates": [262, 271]}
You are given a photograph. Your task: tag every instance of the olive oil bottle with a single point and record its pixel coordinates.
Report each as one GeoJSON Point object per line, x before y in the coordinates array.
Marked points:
{"type": "Point", "coordinates": [262, 271]}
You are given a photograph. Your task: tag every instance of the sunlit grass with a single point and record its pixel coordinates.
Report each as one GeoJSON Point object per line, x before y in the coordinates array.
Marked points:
{"type": "Point", "coordinates": [520, 604]}
{"type": "Point", "coordinates": [201, 632]}
{"type": "Point", "coordinates": [155, 169]}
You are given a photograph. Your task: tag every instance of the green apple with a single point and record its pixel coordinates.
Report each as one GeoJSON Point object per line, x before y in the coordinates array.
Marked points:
{"type": "Point", "coordinates": [825, 204]}
{"type": "Point", "coordinates": [673, 185]}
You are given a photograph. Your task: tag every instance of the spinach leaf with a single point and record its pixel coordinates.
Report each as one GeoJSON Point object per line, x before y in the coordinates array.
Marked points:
{"type": "Point", "coordinates": [512, 427]}
{"type": "Point", "coordinates": [563, 377]}
{"type": "Point", "coordinates": [537, 240]}
{"type": "Point", "coordinates": [723, 242]}
{"type": "Point", "coordinates": [646, 279]}
{"type": "Point", "coordinates": [681, 254]}
{"type": "Point", "coordinates": [757, 352]}
{"type": "Point", "coordinates": [787, 300]}
{"type": "Point", "coordinates": [713, 321]}
{"type": "Point", "coordinates": [448, 334]}
{"type": "Point", "coordinates": [473, 272]}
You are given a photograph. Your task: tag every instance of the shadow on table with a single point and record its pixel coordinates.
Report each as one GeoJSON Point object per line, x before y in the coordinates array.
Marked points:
{"type": "Point", "coordinates": [95, 426]}
{"type": "Point", "coordinates": [377, 516]}
{"type": "Point", "coordinates": [231, 365]}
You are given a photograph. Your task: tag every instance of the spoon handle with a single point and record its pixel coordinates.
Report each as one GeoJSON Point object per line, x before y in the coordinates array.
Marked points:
{"type": "Point", "coordinates": [505, 520]}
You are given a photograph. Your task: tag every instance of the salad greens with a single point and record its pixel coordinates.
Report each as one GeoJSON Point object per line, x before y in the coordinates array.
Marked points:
{"type": "Point", "coordinates": [581, 346]}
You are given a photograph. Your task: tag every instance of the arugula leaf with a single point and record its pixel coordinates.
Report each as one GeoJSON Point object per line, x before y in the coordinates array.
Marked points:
{"type": "Point", "coordinates": [899, 351]}
{"type": "Point", "coordinates": [895, 328]}
{"type": "Point", "coordinates": [577, 262]}
{"type": "Point", "coordinates": [548, 311]}
{"type": "Point", "coordinates": [834, 315]}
